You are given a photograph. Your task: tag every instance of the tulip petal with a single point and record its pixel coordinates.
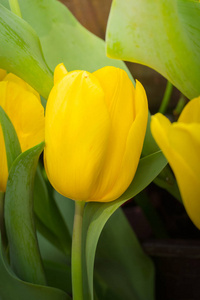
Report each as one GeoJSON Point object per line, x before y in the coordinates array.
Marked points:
{"type": "Point", "coordinates": [119, 98]}
{"type": "Point", "coordinates": [185, 140]}
{"type": "Point", "coordinates": [59, 73]}
{"type": "Point", "coordinates": [133, 146]}
{"type": "Point", "coordinates": [26, 113]}
{"type": "Point", "coordinates": [160, 127]}
{"type": "Point", "coordinates": [27, 116]}
{"type": "Point", "coordinates": [180, 144]}
{"type": "Point", "coordinates": [191, 112]}
{"type": "Point", "coordinates": [76, 134]}
{"type": "Point", "coordinates": [20, 82]}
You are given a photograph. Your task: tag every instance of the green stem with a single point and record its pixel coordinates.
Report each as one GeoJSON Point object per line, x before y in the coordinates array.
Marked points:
{"type": "Point", "coordinates": [14, 6]}
{"type": "Point", "coordinates": [166, 98]}
{"type": "Point", "coordinates": [77, 282]}
{"type": "Point", "coordinates": [180, 105]}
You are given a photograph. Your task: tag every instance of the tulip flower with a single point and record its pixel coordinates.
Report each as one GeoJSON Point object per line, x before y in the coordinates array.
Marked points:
{"type": "Point", "coordinates": [22, 105]}
{"type": "Point", "coordinates": [180, 143]}
{"type": "Point", "coordinates": [95, 125]}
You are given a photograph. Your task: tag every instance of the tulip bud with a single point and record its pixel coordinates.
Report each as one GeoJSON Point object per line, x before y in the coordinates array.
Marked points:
{"type": "Point", "coordinates": [180, 143]}
{"type": "Point", "coordinates": [22, 105]}
{"type": "Point", "coordinates": [94, 131]}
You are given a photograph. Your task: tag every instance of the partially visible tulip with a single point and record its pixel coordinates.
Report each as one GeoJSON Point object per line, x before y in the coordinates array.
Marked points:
{"type": "Point", "coordinates": [180, 143]}
{"type": "Point", "coordinates": [94, 131]}
{"type": "Point", "coordinates": [22, 105]}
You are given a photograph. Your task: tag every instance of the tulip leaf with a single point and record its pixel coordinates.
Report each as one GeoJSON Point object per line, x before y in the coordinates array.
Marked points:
{"type": "Point", "coordinates": [97, 214]}
{"type": "Point", "coordinates": [163, 35]}
{"type": "Point", "coordinates": [12, 144]}
{"type": "Point", "coordinates": [19, 218]}
{"type": "Point", "coordinates": [63, 38]}
{"type": "Point", "coordinates": [121, 263]}
{"type": "Point", "coordinates": [49, 220]}
{"type": "Point", "coordinates": [13, 288]}
{"type": "Point", "coordinates": [20, 52]}
{"type": "Point", "coordinates": [57, 268]}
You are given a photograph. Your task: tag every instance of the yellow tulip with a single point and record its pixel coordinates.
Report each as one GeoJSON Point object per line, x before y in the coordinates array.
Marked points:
{"type": "Point", "coordinates": [180, 143]}
{"type": "Point", "coordinates": [23, 107]}
{"type": "Point", "coordinates": [94, 131]}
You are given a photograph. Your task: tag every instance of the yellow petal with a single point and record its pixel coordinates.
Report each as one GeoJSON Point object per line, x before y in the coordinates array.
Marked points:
{"type": "Point", "coordinates": [185, 140]}
{"type": "Point", "coordinates": [59, 73]}
{"type": "Point", "coordinates": [191, 112]}
{"type": "Point", "coordinates": [76, 133]}
{"type": "Point", "coordinates": [2, 74]}
{"type": "Point", "coordinates": [20, 82]}
{"type": "Point", "coordinates": [27, 116]}
{"type": "Point", "coordinates": [133, 147]}
{"type": "Point", "coordinates": [119, 98]}
{"type": "Point", "coordinates": [160, 127]}
{"type": "Point", "coordinates": [26, 113]}
{"type": "Point", "coordinates": [180, 144]}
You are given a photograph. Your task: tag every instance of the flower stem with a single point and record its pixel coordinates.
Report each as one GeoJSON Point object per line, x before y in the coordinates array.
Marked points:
{"type": "Point", "coordinates": [166, 98]}
{"type": "Point", "coordinates": [77, 282]}
{"type": "Point", "coordinates": [180, 105]}
{"type": "Point", "coordinates": [14, 6]}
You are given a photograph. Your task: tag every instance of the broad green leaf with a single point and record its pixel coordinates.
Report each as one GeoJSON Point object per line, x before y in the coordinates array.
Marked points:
{"type": "Point", "coordinates": [167, 181]}
{"type": "Point", "coordinates": [12, 144]}
{"type": "Point", "coordinates": [164, 35]}
{"type": "Point", "coordinates": [57, 268]}
{"type": "Point", "coordinates": [20, 52]}
{"type": "Point", "coordinates": [121, 262]}
{"type": "Point", "coordinates": [58, 276]}
{"type": "Point", "coordinates": [97, 214]}
{"type": "Point", "coordinates": [67, 209]}
{"type": "Point", "coordinates": [49, 220]}
{"type": "Point", "coordinates": [63, 38]}
{"type": "Point", "coordinates": [12, 288]}
{"type": "Point", "coordinates": [19, 218]}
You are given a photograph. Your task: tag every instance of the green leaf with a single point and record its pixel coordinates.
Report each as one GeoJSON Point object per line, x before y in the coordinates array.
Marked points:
{"type": "Point", "coordinates": [57, 268]}
{"type": "Point", "coordinates": [164, 35]}
{"type": "Point", "coordinates": [64, 39]}
{"type": "Point", "coordinates": [121, 262]}
{"type": "Point", "coordinates": [19, 219]}
{"type": "Point", "coordinates": [97, 214]}
{"type": "Point", "coordinates": [58, 275]}
{"type": "Point", "coordinates": [12, 144]}
{"type": "Point", "coordinates": [67, 209]}
{"type": "Point", "coordinates": [20, 52]}
{"type": "Point", "coordinates": [49, 220]}
{"type": "Point", "coordinates": [13, 288]}
{"type": "Point", "coordinates": [167, 181]}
